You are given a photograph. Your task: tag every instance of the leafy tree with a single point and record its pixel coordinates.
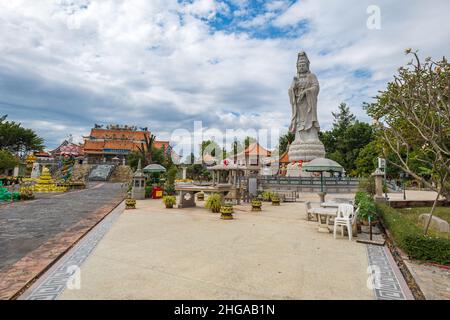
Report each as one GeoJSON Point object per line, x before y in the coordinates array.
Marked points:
{"type": "Point", "coordinates": [7, 160]}
{"type": "Point", "coordinates": [342, 119]}
{"type": "Point", "coordinates": [346, 139]}
{"type": "Point", "coordinates": [367, 160]}
{"type": "Point", "coordinates": [158, 156]}
{"type": "Point", "coordinates": [209, 147]}
{"type": "Point", "coordinates": [413, 116]}
{"type": "Point", "coordinates": [16, 139]}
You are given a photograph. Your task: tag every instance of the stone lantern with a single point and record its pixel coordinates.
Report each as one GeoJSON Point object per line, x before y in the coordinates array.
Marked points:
{"type": "Point", "coordinates": [138, 189]}
{"type": "Point", "coordinates": [378, 174]}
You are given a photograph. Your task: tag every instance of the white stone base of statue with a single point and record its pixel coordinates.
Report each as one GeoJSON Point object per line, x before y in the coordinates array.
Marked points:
{"type": "Point", "coordinates": [294, 170]}
{"type": "Point", "coordinates": [306, 146]}
{"type": "Point", "coordinates": [306, 151]}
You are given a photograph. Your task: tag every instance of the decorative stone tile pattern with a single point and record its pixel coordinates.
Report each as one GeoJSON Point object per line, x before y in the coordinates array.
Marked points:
{"type": "Point", "coordinates": [391, 285]}
{"type": "Point", "coordinates": [55, 280]}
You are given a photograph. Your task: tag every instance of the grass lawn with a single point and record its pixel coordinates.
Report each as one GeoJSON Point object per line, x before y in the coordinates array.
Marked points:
{"type": "Point", "coordinates": [412, 214]}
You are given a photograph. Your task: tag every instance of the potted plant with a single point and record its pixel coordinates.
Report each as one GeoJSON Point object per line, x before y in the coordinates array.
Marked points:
{"type": "Point", "coordinates": [366, 209]}
{"type": "Point", "coordinates": [169, 201]}
{"type": "Point", "coordinates": [256, 205]}
{"type": "Point", "coordinates": [130, 203]}
{"type": "Point", "coordinates": [226, 212]}
{"type": "Point", "coordinates": [267, 196]}
{"type": "Point", "coordinates": [26, 194]}
{"type": "Point", "coordinates": [275, 199]}
{"type": "Point", "coordinates": [214, 202]}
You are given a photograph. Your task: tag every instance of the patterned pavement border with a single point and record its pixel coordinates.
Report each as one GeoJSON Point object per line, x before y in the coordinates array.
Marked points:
{"type": "Point", "coordinates": [392, 285]}
{"type": "Point", "coordinates": [55, 280]}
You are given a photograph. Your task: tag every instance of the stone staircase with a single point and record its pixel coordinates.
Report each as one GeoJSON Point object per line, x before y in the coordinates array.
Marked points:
{"type": "Point", "coordinates": [101, 172]}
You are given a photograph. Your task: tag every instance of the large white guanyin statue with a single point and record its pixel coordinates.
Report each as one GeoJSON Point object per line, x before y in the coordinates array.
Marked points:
{"type": "Point", "coordinates": [304, 123]}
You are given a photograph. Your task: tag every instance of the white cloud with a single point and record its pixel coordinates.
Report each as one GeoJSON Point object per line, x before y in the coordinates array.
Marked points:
{"type": "Point", "coordinates": [160, 64]}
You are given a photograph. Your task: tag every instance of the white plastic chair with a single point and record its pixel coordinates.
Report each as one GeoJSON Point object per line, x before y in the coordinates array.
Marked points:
{"type": "Point", "coordinates": [345, 217]}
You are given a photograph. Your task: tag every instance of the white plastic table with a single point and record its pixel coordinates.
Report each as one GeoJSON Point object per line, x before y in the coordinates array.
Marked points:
{"type": "Point", "coordinates": [329, 204]}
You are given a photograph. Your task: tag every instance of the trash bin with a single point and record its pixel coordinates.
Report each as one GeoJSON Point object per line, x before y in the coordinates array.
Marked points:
{"type": "Point", "coordinates": [157, 193]}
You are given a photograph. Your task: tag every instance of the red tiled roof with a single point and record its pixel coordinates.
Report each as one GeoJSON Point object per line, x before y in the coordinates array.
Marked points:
{"type": "Point", "coordinates": [119, 134]}
{"type": "Point", "coordinates": [284, 158]}
{"type": "Point", "coordinates": [255, 149]}
{"type": "Point", "coordinates": [98, 146]}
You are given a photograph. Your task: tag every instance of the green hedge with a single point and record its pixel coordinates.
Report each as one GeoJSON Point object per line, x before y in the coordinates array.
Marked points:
{"type": "Point", "coordinates": [428, 248]}
{"type": "Point", "coordinates": [410, 238]}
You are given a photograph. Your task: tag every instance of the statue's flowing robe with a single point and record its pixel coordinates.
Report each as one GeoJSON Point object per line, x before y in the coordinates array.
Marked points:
{"type": "Point", "coordinates": [304, 111]}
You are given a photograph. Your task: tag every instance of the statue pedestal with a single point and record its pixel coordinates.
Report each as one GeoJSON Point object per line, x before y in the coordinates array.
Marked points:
{"type": "Point", "coordinates": [294, 170]}
{"type": "Point", "coordinates": [306, 151]}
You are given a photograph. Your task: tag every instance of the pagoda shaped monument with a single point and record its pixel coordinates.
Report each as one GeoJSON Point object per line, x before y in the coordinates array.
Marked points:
{"type": "Point", "coordinates": [45, 183]}
{"type": "Point", "coordinates": [303, 95]}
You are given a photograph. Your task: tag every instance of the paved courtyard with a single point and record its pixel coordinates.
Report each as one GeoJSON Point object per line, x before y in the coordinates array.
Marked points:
{"type": "Point", "coordinates": [31, 232]}
{"type": "Point", "coordinates": [155, 253]}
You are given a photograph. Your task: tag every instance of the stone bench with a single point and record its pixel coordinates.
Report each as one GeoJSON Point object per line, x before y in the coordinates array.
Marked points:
{"type": "Point", "coordinates": [437, 223]}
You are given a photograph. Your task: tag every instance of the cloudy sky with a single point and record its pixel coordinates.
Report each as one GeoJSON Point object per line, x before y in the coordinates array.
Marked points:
{"type": "Point", "coordinates": [67, 64]}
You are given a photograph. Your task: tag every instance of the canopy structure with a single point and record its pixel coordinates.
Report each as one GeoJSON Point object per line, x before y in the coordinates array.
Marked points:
{"type": "Point", "coordinates": [154, 168]}
{"type": "Point", "coordinates": [322, 165]}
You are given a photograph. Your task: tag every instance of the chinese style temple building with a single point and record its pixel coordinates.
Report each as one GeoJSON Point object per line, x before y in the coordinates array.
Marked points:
{"type": "Point", "coordinates": [68, 149]}
{"type": "Point", "coordinates": [114, 143]}
{"type": "Point", "coordinates": [253, 156]}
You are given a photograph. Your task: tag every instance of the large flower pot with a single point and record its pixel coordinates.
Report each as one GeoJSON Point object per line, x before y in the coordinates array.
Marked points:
{"type": "Point", "coordinates": [226, 212]}
{"type": "Point", "coordinates": [130, 204]}
{"type": "Point", "coordinates": [256, 205]}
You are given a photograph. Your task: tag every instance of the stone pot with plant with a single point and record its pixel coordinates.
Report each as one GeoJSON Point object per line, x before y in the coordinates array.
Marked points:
{"type": "Point", "coordinates": [267, 196]}
{"type": "Point", "coordinates": [367, 208]}
{"type": "Point", "coordinates": [275, 199]}
{"type": "Point", "coordinates": [226, 212]}
{"type": "Point", "coordinates": [130, 203]}
{"type": "Point", "coordinates": [214, 203]}
{"type": "Point", "coordinates": [256, 205]}
{"type": "Point", "coordinates": [169, 201]}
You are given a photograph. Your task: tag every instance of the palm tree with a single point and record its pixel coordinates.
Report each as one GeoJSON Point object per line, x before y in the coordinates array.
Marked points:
{"type": "Point", "coordinates": [146, 149]}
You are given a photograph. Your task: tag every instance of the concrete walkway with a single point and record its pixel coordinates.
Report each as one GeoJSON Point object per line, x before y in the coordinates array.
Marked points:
{"type": "Point", "coordinates": [156, 253]}
{"type": "Point", "coordinates": [34, 234]}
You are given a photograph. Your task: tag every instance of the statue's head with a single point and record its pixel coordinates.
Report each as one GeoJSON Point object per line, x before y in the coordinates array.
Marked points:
{"type": "Point", "coordinates": [302, 63]}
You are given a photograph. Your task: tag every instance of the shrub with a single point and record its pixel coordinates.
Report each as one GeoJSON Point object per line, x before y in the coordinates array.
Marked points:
{"type": "Point", "coordinates": [148, 191]}
{"type": "Point", "coordinates": [358, 196]}
{"type": "Point", "coordinates": [366, 206]}
{"type": "Point", "coordinates": [367, 185]}
{"type": "Point", "coordinates": [214, 202]}
{"type": "Point", "coordinates": [169, 189]}
{"type": "Point", "coordinates": [169, 201]}
{"type": "Point", "coordinates": [267, 196]}
{"type": "Point", "coordinates": [425, 248]}
{"type": "Point", "coordinates": [26, 194]}
{"type": "Point", "coordinates": [410, 238]}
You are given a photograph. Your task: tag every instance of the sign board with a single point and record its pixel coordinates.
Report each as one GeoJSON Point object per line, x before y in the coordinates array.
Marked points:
{"type": "Point", "coordinates": [381, 163]}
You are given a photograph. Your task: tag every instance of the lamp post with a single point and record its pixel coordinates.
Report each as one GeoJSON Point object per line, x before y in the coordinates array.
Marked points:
{"type": "Point", "coordinates": [403, 176]}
